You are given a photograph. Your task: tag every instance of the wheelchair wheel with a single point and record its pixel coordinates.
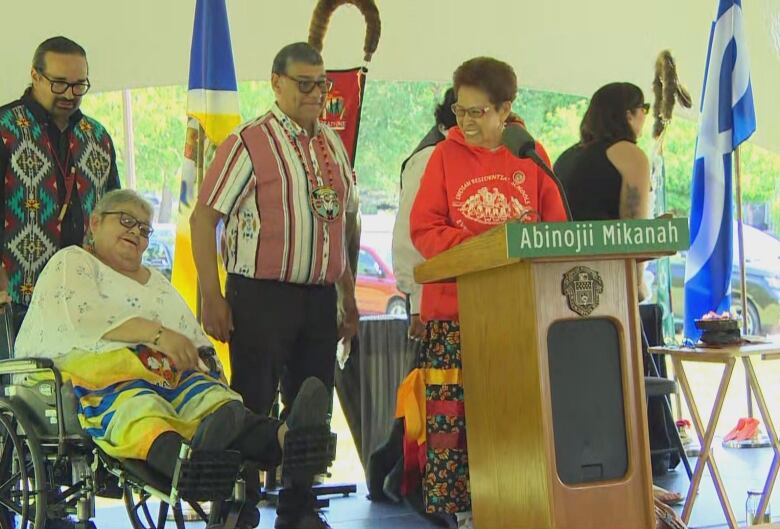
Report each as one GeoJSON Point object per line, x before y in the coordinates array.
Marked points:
{"type": "Point", "coordinates": [22, 473]}
{"type": "Point", "coordinates": [147, 512]}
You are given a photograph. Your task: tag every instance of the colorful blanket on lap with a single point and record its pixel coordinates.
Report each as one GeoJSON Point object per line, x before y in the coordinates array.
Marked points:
{"type": "Point", "coordinates": [128, 397]}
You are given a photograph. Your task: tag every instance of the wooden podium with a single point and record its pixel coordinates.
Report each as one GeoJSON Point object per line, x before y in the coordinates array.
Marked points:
{"type": "Point", "coordinates": [552, 371]}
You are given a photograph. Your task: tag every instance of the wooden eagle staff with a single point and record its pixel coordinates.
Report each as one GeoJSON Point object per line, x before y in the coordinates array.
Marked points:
{"type": "Point", "coordinates": [317, 28]}
{"type": "Point", "coordinates": [321, 18]}
{"type": "Point", "coordinates": [667, 91]}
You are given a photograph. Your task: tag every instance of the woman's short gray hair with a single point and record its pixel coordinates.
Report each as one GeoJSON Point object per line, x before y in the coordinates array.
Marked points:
{"type": "Point", "coordinates": [113, 199]}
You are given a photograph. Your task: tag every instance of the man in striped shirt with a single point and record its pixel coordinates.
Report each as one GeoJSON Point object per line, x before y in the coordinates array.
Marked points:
{"type": "Point", "coordinates": [282, 183]}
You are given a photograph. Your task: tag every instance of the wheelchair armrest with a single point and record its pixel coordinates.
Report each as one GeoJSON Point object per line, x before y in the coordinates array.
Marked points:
{"type": "Point", "coordinates": [15, 366]}
{"type": "Point", "coordinates": [18, 366]}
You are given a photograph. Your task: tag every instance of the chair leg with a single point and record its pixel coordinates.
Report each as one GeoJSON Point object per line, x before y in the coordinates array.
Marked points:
{"type": "Point", "coordinates": [178, 516]}
{"type": "Point", "coordinates": [676, 436]}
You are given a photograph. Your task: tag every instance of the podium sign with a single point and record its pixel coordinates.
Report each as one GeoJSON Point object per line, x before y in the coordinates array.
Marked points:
{"type": "Point", "coordinates": [607, 237]}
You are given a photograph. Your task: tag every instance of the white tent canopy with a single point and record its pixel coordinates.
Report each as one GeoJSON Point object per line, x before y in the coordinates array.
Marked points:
{"type": "Point", "coordinates": [566, 46]}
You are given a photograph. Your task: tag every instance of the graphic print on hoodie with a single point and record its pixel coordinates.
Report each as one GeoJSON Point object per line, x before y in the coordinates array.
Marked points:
{"type": "Point", "coordinates": [467, 190]}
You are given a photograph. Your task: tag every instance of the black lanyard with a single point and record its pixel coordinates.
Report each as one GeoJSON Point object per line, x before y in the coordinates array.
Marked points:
{"type": "Point", "coordinates": [68, 175]}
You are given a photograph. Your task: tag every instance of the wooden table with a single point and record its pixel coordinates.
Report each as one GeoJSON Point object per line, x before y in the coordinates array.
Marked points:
{"type": "Point", "coordinates": [727, 356]}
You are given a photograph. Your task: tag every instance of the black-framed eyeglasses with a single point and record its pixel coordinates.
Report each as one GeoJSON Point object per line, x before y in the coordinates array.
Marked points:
{"type": "Point", "coordinates": [473, 112]}
{"type": "Point", "coordinates": [60, 87]}
{"type": "Point", "coordinates": [305, 86]}
{"type": "Point", "coordinates": [129, 222]}
{"type": "Point", "coordinates": [645, 108]}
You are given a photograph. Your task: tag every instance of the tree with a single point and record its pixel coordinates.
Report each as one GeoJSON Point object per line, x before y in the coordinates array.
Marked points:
{"type": "Point", "coordinates": [396, 115]}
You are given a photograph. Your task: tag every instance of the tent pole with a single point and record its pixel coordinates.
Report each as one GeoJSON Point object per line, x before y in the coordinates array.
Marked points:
{"type": "Point", "coordinates": [127, 114]}
{"type": "Point", "coordinates": [742, 280]}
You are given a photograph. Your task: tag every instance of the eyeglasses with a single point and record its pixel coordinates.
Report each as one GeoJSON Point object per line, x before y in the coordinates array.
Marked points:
{"type": "Point", "coordinates": [645, 108]}
{"type": "Point", "coordinates": [305, 86]}
{"type": "Point", "coordinates": [129, 222]}
{"type": "Point", "coordinates": [473, 112]}
{"type": "Point", "coordinates": [60, 87]}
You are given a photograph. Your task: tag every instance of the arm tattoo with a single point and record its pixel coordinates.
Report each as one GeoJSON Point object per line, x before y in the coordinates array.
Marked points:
{"type": "Point", "coordinates": [632, 201]}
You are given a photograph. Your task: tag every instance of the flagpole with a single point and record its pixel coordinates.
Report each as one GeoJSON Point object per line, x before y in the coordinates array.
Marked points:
{"type": "Point", "coordinates": [742, 280]}
{"type": "Point", "coordinates": [200, 169]}
{"type": "Point", "coordinates": [127, 114]}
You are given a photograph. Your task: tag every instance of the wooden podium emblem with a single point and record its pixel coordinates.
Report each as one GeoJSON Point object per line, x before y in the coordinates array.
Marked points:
{"type": "Point", "coordinates": [582, 286]}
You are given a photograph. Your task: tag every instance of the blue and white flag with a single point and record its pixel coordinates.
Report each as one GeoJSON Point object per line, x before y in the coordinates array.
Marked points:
{"type": "Point", "coordinates": [727, 119]}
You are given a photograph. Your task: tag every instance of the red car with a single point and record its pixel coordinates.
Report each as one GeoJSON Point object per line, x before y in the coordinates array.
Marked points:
{"type": "Point", "coordinates": [375, 288]}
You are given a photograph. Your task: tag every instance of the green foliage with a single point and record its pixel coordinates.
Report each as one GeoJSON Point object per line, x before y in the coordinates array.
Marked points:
{"type": "Point", "coordinates": [254, 98]}
{"type": "Point", "coordinates": [560, 127]}
{"type": "Point", "coordinates": [678, 149]}
{"type": "Point", "coordinates": [396, 115]}
{"type": "Point", "coordinates": [107, 109]}
{"type": "Point", "coordinates": [159, 121]}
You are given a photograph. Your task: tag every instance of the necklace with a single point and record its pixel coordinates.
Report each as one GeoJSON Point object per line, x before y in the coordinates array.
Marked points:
{"type": "Point", "coordinates": [68, 176]}
{"type": "Point", "coordinates": [323, 198]}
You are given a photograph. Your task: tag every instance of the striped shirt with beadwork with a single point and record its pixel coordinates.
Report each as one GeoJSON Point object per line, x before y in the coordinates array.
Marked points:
{"type": "Point", "coordinates": [261, 180]}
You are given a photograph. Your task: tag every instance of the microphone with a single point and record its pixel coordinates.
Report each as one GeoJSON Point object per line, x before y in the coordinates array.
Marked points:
{"type": "Point", "coordinates": [520, 143]}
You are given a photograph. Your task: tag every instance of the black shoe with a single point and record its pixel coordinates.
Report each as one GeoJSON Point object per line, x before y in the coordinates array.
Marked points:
{"type": "Point", "coordinates": [220, 428]}
{"type": "Point", "coordinates": [248, 518]}
{"type": "Point", "coordinates": [308, 520]}
{"type": "Point", "coordinates": [311, 405]}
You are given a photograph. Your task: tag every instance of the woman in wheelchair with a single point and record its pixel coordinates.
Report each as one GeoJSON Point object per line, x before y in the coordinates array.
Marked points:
{"type": "Point", "coordinates": [128, 343]}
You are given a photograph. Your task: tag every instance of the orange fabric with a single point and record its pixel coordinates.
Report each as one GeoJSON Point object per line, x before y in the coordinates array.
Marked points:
{"type": "Point", "coordinates": [410, 400]}
{"type": "Point", "coordinates": [411, 405]}
{"type": "Point", "coordinates": [466, 191]}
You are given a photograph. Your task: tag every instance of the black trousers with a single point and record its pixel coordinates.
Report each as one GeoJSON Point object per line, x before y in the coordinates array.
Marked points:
{"type": "Point", "coordinates": [283, 333]}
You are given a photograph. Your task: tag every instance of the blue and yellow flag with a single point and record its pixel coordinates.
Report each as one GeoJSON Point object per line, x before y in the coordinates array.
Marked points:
{"type": "Point", "coordinates": [212, 113]}
{"type": "Point", "coordinates": [213, 93]}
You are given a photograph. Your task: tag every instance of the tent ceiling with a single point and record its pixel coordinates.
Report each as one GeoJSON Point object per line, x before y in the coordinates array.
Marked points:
{"type": "Point", "coordinates": [560, 45]}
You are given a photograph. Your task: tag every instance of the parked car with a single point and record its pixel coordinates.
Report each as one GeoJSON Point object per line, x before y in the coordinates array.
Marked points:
{"type": "Point", "coordinates": [159, 254]}
{"type": "Point", "coordinates": [375, 288]}
{"type": "Point", "coordinates": [762, 276]}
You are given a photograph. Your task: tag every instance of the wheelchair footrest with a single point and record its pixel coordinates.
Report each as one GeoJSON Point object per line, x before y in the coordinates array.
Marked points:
{"type": "Point", "coordinates": [203, 475]}
{"type": "Point", "coordinates": [308, 451]}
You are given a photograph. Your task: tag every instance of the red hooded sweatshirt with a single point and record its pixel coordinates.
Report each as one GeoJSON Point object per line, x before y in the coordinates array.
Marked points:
{"type": "Point", "coordinates": [467, 190]}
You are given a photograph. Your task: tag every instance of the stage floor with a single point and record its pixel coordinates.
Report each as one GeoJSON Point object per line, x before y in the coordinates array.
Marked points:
{"type": "Point", "coordinates": [741, 470]}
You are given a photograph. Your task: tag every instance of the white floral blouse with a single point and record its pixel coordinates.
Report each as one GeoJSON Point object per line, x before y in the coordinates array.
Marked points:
{"type": "Point", "coordinates": [78, 299]}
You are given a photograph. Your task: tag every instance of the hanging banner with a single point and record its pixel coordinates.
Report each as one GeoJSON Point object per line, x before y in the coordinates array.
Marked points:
{"type": "Point", "coordinates": [343, 104]}
{"type": "Point", "coordinates": [342, 107]}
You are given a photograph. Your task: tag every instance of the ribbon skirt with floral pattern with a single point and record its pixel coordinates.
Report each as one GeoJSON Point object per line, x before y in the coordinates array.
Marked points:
{"type": "Point", "coordinates": [446, 476]}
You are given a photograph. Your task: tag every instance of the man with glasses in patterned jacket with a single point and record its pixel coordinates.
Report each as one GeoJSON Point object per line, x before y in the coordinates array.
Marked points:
{"type": "Point", "coordinates": [56, 164]}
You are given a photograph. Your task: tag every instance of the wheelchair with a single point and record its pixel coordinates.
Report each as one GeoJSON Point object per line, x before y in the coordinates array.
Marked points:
{"type": "Point", "coordinates": [50, 467]}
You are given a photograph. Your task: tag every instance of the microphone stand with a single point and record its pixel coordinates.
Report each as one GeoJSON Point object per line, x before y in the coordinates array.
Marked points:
{"type": "Point", "coordinates": [534, 156]}
{"type": "Point", "coordinates": [521, 144]}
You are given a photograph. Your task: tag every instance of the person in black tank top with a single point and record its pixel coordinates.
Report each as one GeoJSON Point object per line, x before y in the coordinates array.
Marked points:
{"type": "Point", "coordinates": [591, 182]}
{"type": "Point", "coordinates": [605, 175]}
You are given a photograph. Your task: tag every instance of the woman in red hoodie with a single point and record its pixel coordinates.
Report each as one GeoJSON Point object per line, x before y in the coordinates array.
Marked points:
{"type": "Point", "coordinates": [471, 184]}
